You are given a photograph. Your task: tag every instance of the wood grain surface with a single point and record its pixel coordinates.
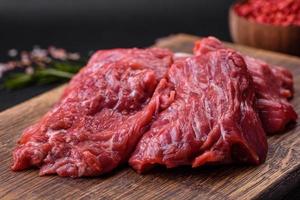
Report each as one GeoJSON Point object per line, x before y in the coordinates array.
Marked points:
{"type": "Point", "coordinates": [274, 178]}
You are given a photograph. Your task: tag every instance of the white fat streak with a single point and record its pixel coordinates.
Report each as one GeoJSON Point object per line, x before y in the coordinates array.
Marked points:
{"type": "Point", "coordinates": [181, 55]}
{"type": "Point", "coordinates": [34, 144]}
{"type": "Point", "coordinates": [51, 133]}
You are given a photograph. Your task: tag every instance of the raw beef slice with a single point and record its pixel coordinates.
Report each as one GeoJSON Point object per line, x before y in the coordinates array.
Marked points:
{"type": "Point", "coordinates": [273, 86]}
{"type": "Point", "coordinates": [211, 120]}
{"type": "Point", "coordinates": [100, 117]}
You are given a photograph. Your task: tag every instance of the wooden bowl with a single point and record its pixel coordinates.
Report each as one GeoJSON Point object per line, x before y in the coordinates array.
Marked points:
{"type": "Point", "coordinates": [284, 39]}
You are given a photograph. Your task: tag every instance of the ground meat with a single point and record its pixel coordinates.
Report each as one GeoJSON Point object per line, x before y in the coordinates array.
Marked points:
{"type": "Point", "coordinates": [275, 12]}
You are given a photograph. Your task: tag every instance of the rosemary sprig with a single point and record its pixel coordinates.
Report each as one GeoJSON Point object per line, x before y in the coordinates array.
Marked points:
{"type": "Point", "coordinates": [57, 71]}
{"type": "Point", "coordinates": [39, 66]}
{"type": "Point", "coordinates": [17, 80]}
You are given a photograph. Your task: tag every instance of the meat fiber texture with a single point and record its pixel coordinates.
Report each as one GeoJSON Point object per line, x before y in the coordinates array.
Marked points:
{"type": "Point", "coordinates": [100, 117]}
{"type": "Point", "coordinates": [212, 119]}
{"type": "Point", "coordinates": [273, 86]}
{"type": "Point", "coordinates": [151, 107]}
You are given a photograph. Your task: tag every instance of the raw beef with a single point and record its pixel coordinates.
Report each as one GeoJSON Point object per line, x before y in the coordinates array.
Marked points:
{"type": "Point", "coordinates": [155, 108]}
{"type": "Point", "coordinates": [101, 115]}
{"type": "Point", "coordinates": [212, 119]}
{"type": "Point", "coordinates": [273, 86]}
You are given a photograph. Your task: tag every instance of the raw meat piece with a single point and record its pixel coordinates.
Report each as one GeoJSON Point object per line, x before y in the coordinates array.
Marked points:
{"type": "Point", "coordinates": [101, 115]}
{"type": "Point", "coordinates": [273, 86]}
{"type": "Point", "coordinates": [212, 119]}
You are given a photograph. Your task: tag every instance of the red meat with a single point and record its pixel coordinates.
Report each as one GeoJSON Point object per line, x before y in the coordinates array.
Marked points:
{"type": "Point", "coordinates": [212, 119]}
{"type": "Point", "coordinates": [190, 110]}
{"type": "Point", "coordinates": [273, 86]}
{"type": "Point", "coordinates": [275, 12]}
{"type": "Point", "coordinates": [100, 117]}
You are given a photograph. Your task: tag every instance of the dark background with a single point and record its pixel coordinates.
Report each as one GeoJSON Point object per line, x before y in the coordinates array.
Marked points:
{"type": "Point", "coordinates": [93, 24]}
{"type": "Point", "coordinates": [85, 25]}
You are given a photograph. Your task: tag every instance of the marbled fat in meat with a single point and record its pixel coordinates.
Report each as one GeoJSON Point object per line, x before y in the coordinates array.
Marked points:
{"type": "Point", "coordinates": [273, 87]}
{"type": "Point", "coordinates": [100, 117]}
{"type": "Point", "coordinates": [212, 119]}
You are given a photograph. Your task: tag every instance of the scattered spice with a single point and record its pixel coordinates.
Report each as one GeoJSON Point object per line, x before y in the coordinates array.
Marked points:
{"type": "Point", "coordinates": [39, 66]}
{"type": "Point", "coordinates": [12, 53]}
{"type": "Point", "coordinates": [276, 12]}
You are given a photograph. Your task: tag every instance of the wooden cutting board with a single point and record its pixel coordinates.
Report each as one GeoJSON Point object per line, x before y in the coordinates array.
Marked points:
{"type": "Point", "coordinates": [274, 178]}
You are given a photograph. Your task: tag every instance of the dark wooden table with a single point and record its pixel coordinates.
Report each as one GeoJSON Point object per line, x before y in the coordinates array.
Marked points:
{"type": "Point", "coordinates": [8, 99]}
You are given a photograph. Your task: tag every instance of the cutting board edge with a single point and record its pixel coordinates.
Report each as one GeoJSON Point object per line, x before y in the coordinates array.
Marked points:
{"type": "Point", "coordinates": [293, 174]}
{"type": "Point", "coordinates": [34, 99]}
{"type": "Point", "coordinates": [277, 190]}
{"type": "Point", "coordinates": [186, 36]}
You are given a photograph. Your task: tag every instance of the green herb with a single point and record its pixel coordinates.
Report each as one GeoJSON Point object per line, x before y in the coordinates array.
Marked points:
{"type": "Point", "coordinates": [57, 71]}
{"type": "Point", "coordinates": [17, 80]}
